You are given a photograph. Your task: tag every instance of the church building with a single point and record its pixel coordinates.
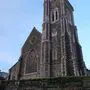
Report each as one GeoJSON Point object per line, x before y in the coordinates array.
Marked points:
{"type": "Point", "coordinates": [56, 52]}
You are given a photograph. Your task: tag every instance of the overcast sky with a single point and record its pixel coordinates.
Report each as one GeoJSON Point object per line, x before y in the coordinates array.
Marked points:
{"type": "Point", "coordinates": [18, 17]}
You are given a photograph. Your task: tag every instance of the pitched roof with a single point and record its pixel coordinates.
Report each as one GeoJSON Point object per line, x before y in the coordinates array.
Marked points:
{"type": "Point", "coordinates": [28, 45]}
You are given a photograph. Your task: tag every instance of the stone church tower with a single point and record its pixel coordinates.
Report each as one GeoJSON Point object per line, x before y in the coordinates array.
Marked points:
{"type": "Point", "coordinates": [60, 48]}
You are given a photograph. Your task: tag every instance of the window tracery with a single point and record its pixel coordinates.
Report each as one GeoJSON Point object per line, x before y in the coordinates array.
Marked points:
{"type": "Point", "coordinates": [31, 62]}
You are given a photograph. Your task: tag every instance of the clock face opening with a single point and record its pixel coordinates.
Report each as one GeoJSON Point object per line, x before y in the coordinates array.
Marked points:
{"type": "Point", "coordinates": [33, 39]}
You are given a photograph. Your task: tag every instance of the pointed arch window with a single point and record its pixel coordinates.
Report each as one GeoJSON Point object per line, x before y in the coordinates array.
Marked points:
{"type": "Point", "coordinates": [54, 15]}
{"type": "Point", "coordinates": [31, 62]}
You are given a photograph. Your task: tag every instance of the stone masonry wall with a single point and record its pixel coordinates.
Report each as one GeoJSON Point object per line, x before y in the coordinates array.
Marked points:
{"type": "Point", "coordinates": [61, 83]}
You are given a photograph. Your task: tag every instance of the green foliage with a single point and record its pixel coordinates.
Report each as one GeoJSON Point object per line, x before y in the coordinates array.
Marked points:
{"type": "Point", "coordinates": [54, 82]}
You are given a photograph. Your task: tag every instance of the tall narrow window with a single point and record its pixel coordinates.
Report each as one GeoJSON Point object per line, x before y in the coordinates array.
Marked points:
{"type": "Point", "coordinates": [56, 15]}
{"type": "Point", "coordinates": [52, 16]}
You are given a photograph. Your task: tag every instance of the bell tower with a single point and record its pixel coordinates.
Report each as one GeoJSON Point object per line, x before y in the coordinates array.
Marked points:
{"type": "Point", "coordinates": [59, 41]}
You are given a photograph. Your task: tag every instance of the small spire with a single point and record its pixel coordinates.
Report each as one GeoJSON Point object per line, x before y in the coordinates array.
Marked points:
{"type": "Point", "coordinates": [34, 28]}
